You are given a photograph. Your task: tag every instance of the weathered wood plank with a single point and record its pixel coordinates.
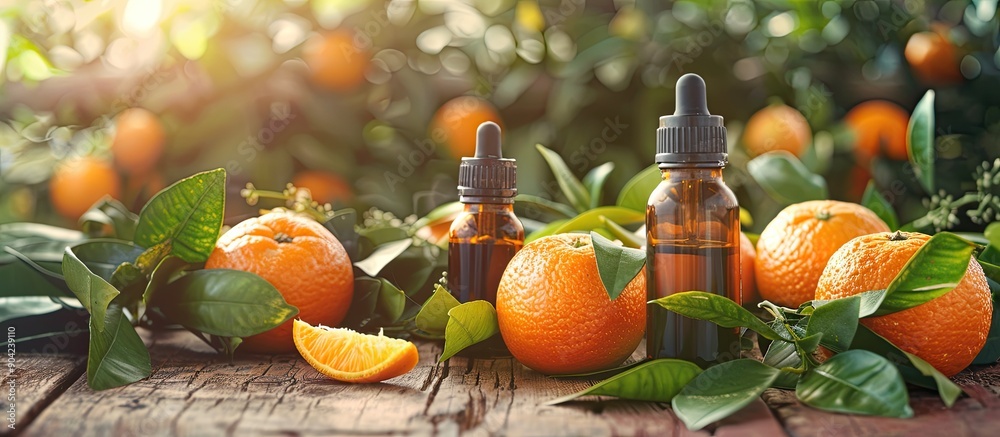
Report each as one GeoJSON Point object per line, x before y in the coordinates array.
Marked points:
{"type": "Point", "coordinates": [193, 391]}
{"type": "Point", "coordinates": [37, 380]}
{"type": "Point", "coordinates": [976, 414]}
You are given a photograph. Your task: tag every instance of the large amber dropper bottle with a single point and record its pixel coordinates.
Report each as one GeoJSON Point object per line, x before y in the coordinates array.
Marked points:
{"type": "Point", "coordinates": [486, 235]}
{"type": "Point", "coordinates": [692, 230]}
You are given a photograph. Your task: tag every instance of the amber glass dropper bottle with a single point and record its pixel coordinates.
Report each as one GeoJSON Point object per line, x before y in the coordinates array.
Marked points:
{"type": "Point", "coordinates": [692, 230]}
{"type": "Point", "coordinates": [486, 235]}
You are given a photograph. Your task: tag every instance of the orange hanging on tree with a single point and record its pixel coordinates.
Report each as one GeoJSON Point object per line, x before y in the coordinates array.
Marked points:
{"type": "Point", "coordinates": [139, 141]}
{"type": "Point", "coordinates": [879, 129]}
{"type": "Point", "coordinates": [336, 61]}
{"type": "Point", "coordinates": [932, 56]}
{"type": "Point", "coordinates": [78, 183]}
{"type": "Point", "coordinates": [777, 127]}
{"type": "Point", "coordinates": [455, 123]}
{"type": "Point", "coordinates": [324, 187]}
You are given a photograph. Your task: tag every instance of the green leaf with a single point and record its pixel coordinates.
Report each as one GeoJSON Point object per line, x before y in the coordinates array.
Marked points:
{"type": "Point", "coordinates": [989, 260]}
{"type": "Point", "coordinates": [722, 390]}
{"type": "Point", "coordinates": [529, 202]}
{"type": "Point", "coordinates": [411, 270]}
{"type": "Point", "coordinates": [549, 229]}
{"type": "Point", "coordinates": [990, 352]}
{"type": "Point", "coordinates": [391, 301]}
{"type": "Point", "coordinates": [809, 343]}
{"type": "Point", "coordinates": [600, 374]}
{"type": "Point", "coordinates": [571, 187]}
{"type": "Point", "coordinates": [635, 194]}
{"type": "Point", "coordinates": [868, 340]}
{"type": "Point", "coordinates": [125, 275]}
{"type": "Point", "coordinates": [341, 225]}
{"type": "Point", "coordinates": [935, 269]}
{"type": "Point", "coordinates": [186, 215]}
{"type": "Point", "coordinates": [112, 215]}
{"type": "Point", "coordinates": [25, 277]}
{"type": "Point", "coordinates": [223, 302]}
{"type": "Point", "coordinates": [870, 302]}
{"type": "Point", "coordinates": [433, 315]}
{"type": "Point", "coordinates": [468, 324]}
{"type": "Point", "coordinates": [717, 309]}
{"type": "Point", "coordinates": [948, 390]}
{"type": "Point", "coordinates": [786, 179]}
{"type": "Point", "coordinates": [653, 381]}
{"type": "Point", "coordinates": [104, 256]}
{"type": "Point", "coordinates": [616, 264]}
{"type": "Point", "coordinates": [167, 270]}
{"type": "Point", "coordinates": [856, 382]}
{"type": "Point", "coordinates": [837, 320]}
{"type": "Point", "coordinates": [92, 290]}
{"type": "Point", "coordinates": [594, 182]}
{"type": "Point", "coordinates": [591, 220]}
{"type": "Point", "coordinates": [374, 237]}
{"type": "Point", "coordinates": [117, 355]}
{"type": "Point", "coordinates": [382, 256]}
{"type": "Point", "coordinates": [920, 141]}
{"type": "Point", "coordinates": [46, 322]}
{"type": "Point", "coordinates": [366, 293]}
{"type": "Point", "coordinates": [627, 238]}
{"type": "Point", "coordinates": [992, 233]}
{"type": "Point", "coordinates": [19, 234]}
{"type": "Point", "coordinates": [874, 201]}
{"type": "Point", "coordinates": [782, 355]}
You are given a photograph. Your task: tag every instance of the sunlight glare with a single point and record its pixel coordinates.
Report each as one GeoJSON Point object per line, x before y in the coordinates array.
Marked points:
{"type": "Point", "coordinates": [141, 16]}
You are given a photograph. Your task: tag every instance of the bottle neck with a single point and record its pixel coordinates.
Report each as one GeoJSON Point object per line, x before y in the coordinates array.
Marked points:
{"type": "Point", "coordinates": [488, 207]}
{"type": "Point", "coordinates": [691, 173]}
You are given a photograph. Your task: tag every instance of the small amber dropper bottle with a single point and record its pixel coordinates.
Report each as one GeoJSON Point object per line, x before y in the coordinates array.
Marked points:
{"type": "Point", "coordinates": [692, 230]}
{"type": "Point", "coordinates": [486, 235]}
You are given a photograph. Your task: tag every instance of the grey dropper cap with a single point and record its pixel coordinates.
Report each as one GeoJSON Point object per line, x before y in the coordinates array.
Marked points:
{"type": "Point", "coordinates": [487, 177]}
{"type": "Point", "coordinates": [691, 137]}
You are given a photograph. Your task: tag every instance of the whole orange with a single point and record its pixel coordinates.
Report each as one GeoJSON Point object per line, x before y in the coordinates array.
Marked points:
{"type": "Point", "coordinates": [748, 284]}
{"type": "Point", "coordinates": [555, 315]}
{"type": "Point", "coordinates": [456, 121]}
{"type": "Point", "coordinates": [932, 57]}
{"type": "Point", "coordinates": [139, 140]}
{"type": "Point", "coordinates": [879, 129]}
{"type": "Point", "coordinates": [78, 183]}
{"type": "Point", "coordinates": [795, 246]}
{"type": "Point", "coordinates": [336, 61]}
{"type": "Point", "coordinates": [947, 331]}
{"type": "Point", "coordinates": [300, 258]}
{"type": "Point", "coordinates": [777, 127]}
{"type": "Point", "coordinates": [324, 187]}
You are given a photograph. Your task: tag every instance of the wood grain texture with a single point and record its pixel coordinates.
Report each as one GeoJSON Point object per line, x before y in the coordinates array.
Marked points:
{"type": "Point", "coordinates": [39, 379]}
{"type": "Point", "coordinates": [975, 414]}
{"type": "Point", "coordinates": [194, 392]}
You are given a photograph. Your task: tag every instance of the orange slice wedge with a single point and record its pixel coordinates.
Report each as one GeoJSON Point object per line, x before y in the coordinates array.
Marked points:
{"type": "Point", "coordinates": [349, 356]}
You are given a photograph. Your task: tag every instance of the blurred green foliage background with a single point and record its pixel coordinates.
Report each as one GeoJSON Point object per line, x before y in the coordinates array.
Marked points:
{"type": "Point", "coordinates": [269, 89]}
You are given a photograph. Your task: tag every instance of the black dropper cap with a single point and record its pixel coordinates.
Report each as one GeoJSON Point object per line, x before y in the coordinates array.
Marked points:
{"type": "Point", "coordinates": [487, 177]}
{"type": "Point", "coordinates": [691, 137]}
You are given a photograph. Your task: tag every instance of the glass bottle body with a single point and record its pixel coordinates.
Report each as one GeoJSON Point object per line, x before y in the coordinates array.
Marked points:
{"type": "Point", "coordinates": [693, 238]}
{"type": "Point", "coordinates": [481, 242]}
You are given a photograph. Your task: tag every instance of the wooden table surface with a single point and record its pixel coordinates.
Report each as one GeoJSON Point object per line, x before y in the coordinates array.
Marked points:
{"type": "Point", "coordinates": [193, 391]}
